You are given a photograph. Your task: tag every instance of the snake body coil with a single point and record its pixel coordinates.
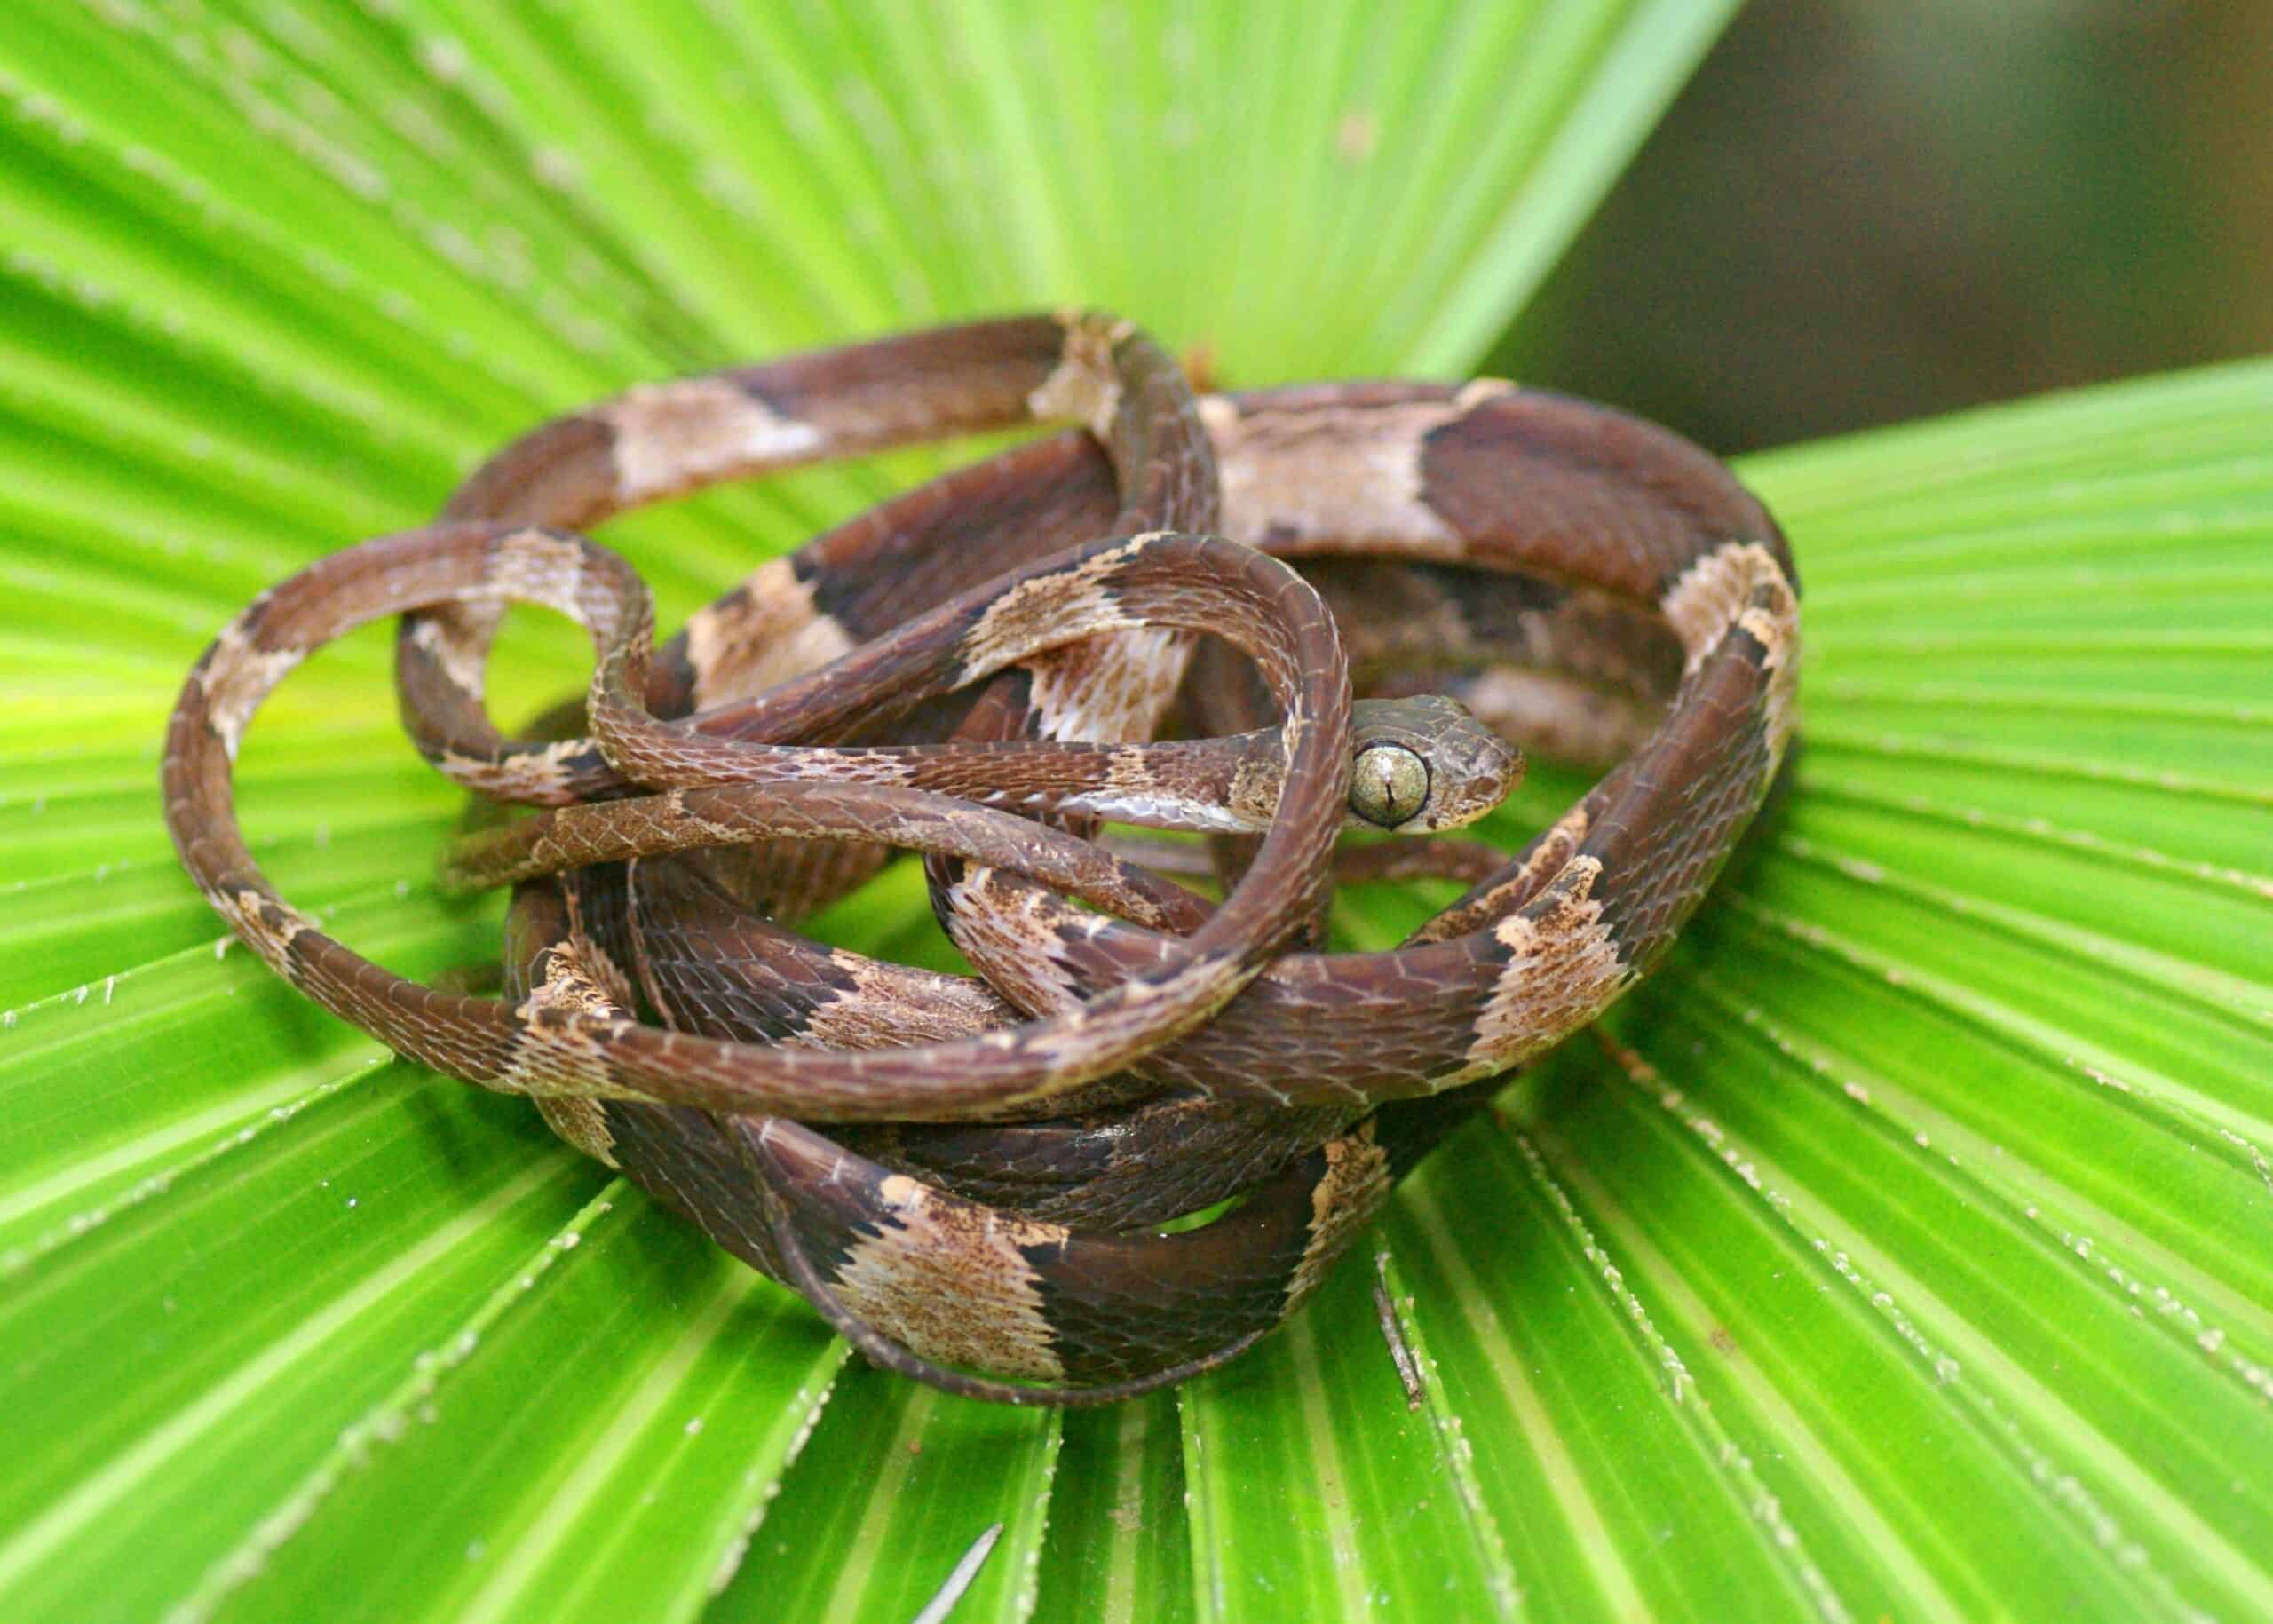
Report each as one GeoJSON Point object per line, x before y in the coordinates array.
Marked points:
{"type": "Point", "coordinates": [978, 671]}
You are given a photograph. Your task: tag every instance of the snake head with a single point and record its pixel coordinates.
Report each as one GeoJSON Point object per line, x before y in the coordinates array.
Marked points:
{"type": "Point", "coordinates": [1423, 764]}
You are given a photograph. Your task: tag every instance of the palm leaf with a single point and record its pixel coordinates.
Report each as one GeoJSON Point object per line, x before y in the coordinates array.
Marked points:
{"type": "Point", "coordinates": [1902, 1249]}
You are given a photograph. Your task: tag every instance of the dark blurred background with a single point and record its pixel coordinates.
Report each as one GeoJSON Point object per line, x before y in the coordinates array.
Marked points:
{"type": "Point", "coordinates": [1864, 210]}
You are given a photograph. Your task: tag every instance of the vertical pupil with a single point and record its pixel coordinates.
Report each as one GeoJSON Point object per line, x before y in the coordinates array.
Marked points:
{"type": "Point", "coordinates": [1392, 795]}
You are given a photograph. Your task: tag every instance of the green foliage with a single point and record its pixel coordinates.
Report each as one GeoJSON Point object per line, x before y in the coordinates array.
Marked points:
{"type": "Point", "coordinates": [1906, 1247]}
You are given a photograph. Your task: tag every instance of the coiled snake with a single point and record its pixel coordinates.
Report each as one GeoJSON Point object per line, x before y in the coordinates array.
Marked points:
{"type": "Point", "coordinates": [968, 672]}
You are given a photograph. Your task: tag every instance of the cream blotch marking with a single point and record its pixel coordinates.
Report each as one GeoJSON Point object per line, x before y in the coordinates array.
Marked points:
{"type": "Point", "coordinates": [1022, 618]}
{"type": "Point", "coordinates": [774, 632]}
{"type": "Point", "coordinates": [1280, 488]}
{"type": "Point", "coordinates": [237, 677]}
{"type": "Point", "coordinates": [1109, 688]}
{"type": "Point", "coordinates": [1563, 970]}
{"type": "Point", "coordinates": [1085, 388]}
{"type": "Point", "coordinates": [1715, 593]}
{"type": "Point", "coordinates": [460, 661]}
{"type": "Point", "coordinates": [950, 1283]}
{"type": "Point", "coordinates": [538, 567]}
{"type": "Point", "coordinates": [1354, 1183]}
{"type": "Point", "coordinates": [1554, 847]}
{"type": "Point", "coordinates": [670, 437]}
{"type": "Point", "coordinates": [562, 1057]}
{"type": "Point", "coordinates": [582, 1122]}
{"type": "Point", "coordinates": [265, 923]}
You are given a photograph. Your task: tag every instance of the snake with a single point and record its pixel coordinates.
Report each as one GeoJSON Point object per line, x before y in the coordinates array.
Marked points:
{"type": "Point", "coordinates": [1635, 555]}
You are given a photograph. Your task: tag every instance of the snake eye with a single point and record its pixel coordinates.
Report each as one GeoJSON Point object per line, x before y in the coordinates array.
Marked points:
{"type": "Point", "coordinates": [1390, 785]}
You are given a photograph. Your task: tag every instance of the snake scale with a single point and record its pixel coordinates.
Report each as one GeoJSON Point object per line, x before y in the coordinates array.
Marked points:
{"type": "Point", "coordinates": [965, 1174]}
